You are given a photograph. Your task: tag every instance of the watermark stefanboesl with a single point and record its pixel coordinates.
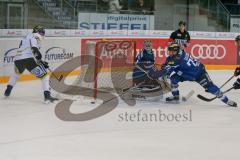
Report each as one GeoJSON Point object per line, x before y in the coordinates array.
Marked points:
{"type": "Point", "coordinates": [156, 116]}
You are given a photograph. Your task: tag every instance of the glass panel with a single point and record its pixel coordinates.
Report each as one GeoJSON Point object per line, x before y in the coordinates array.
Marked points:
{"type": "Point", "coordinates": [200, 15]}
{"type": "Point", "coordinates": [15, 16]}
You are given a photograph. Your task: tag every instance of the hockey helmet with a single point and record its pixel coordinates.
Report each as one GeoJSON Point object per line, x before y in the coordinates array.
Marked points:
{"type": "Point", "coordinates": [39, 29]}
{"type": "Point", "coordinates": [147, 44]}
{"type": "Point", "coordinates": [175, 48]}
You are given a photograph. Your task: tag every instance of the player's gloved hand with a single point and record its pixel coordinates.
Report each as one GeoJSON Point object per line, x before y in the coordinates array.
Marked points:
{"type": "Point", "coordinates": [44, 63]}
{"type": "Point", "coordinates": [236, 85]}
{"type": "Point", "coordinates": [159, 66]}
{"type": "Point", "coordinates": [237, 71]}
{"type": "Point", "coordinates": [153, 72]}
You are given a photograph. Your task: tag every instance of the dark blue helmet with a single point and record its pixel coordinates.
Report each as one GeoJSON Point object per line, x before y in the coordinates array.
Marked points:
{"type": "Point", "coordinates": [175, 47]}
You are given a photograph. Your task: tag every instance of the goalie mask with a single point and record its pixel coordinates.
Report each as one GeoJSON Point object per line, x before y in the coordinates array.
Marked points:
{"type": "Point", "coordinates": [147, 45]}
{"type": "Point", "coordinates": [39, 33]}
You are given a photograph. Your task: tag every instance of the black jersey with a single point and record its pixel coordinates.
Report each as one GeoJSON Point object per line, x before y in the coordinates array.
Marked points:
{"type": "Point", "coordinates": [180, 37]}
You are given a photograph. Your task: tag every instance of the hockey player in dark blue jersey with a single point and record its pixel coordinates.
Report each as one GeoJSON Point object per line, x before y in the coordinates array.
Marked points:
{"type": "Point", "coordinates": [145, 60]}
{"type": "Point", "coordinates": [146, 87]}
{"type": "Point", "coordinates": [180, 67]}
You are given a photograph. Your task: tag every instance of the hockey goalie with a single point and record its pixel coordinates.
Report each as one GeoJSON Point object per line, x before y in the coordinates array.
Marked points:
{"type": "Point", "coordinates": [146, 87]}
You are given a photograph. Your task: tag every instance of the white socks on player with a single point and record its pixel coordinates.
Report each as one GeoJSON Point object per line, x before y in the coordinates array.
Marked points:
{"type": "Point", "coordinates": [45, 83]}
{"type": "Point", "coordinates": [13, 79]}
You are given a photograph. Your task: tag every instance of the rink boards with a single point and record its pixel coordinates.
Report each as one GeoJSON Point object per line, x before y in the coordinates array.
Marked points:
{"type": "Point", "coordinates": [216, 50]}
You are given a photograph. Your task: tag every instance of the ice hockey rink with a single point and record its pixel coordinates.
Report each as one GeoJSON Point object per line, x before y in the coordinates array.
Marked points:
{"type": "Point", "coordinates": [30, 130]}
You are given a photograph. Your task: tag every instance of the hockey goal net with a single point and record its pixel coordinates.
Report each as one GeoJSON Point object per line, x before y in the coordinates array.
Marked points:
{"type": "Point", "coordinates": [111, 69]}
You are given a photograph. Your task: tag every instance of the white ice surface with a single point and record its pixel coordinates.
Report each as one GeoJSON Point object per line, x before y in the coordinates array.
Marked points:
{"type": "Point", "coordinates": [30, 130]}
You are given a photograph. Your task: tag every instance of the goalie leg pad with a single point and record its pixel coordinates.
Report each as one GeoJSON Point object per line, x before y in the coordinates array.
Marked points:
{"type": "Point", "coordinates": [146, 93]}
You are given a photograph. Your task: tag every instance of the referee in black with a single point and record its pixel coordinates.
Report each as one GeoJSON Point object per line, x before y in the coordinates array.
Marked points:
{"type": "Point", "coordinates": [180, 36]}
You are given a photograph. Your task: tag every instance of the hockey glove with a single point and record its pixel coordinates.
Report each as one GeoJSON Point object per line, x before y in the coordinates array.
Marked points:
{"type": "Point", "coordinates": [237, 71]}
{"type": "Point", "coordinates": [236, 85]}
{"type": "Point", "coordinates": [44, 63]}
{"type": "Point", "coordinates": [156, 73]}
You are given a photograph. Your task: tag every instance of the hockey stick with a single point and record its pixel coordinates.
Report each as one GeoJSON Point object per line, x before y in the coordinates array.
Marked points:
{"type": "Point", "coordinates": [185, 98]}
{"type": "Point", "coordinates": [124, 92]}
{"type": "Point", "coordinates": [54, 75]}
{"type": "Point", "coordinates": [227, 81]}
{"type": "Point", "coordinates": [150, 77]}
{"type": "Point", "coordinates": [206, 99]}
{"type": "Point", "coordinates": [211, 99]}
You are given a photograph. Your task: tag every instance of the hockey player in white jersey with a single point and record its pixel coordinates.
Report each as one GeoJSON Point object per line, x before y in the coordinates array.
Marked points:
{"type": "Point", "coordinates": [29, 57]}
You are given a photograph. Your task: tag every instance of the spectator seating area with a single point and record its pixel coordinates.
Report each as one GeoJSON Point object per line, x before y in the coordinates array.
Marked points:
{"type": "Point", "coordinates": [232, 5]}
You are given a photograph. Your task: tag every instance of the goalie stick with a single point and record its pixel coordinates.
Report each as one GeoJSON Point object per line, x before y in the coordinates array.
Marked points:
{"type": "Point", "coordinates": [210, 99]}
{"type": "Point", "coordinates": [124, 91]}
{"type": "Point", "coordinates": [184, 98]}
{"type": "Point", "coordinates": [151, 77]}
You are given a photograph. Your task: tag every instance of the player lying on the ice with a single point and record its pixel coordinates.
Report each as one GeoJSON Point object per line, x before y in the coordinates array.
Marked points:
{"type": "Point", "coordinates": [180, 67]}
{"type": "Point", "coordinates": [30, 58]}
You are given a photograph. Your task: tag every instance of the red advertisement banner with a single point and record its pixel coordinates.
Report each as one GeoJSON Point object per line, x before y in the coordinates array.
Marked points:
{"type": "Point", "coordinates": [213, 52]}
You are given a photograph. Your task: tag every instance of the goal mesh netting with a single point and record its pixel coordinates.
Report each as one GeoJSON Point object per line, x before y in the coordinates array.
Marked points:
{"type": "Point", "coordinates": [111, 69]}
